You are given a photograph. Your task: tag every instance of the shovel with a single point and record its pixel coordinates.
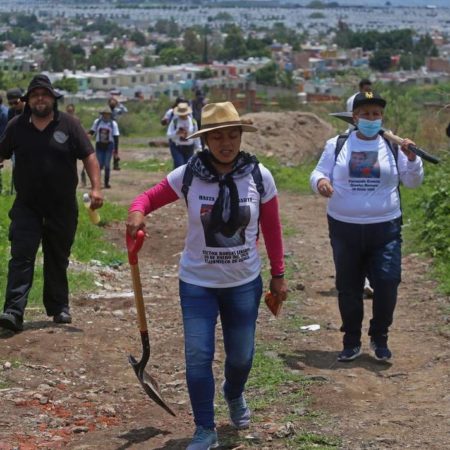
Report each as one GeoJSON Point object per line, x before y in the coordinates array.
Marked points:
{"type": "Point", "coordinates": [348, 117]}
{"type": "Point", "coordinates": [147, 381]}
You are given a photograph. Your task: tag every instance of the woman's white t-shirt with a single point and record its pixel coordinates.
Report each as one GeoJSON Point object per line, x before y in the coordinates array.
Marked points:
{"type": "Point", "coordinates": [221, 257]}
{"type": "Point", "coordinates": [365, 179]}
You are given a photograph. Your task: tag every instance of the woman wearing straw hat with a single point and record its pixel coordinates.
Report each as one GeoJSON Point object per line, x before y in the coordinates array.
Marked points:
{"type": "Point", "coordinates": [181, 126]}
{"type": "Point", "coordinates": [220, 265]}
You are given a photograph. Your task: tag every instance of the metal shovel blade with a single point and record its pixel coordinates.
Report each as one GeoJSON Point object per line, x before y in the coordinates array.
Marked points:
{"type": "Point", "coordinates": [149, 384]}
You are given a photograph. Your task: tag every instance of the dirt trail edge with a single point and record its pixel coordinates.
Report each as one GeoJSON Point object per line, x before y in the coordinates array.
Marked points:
{"type": "Point", "coordinates": [72, 386]}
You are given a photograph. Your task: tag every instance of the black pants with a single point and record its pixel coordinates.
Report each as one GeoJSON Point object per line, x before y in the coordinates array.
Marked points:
{"type": "Point", "coordinates": [372, 250]}
{"type": "Point", "coordinates": [55, 227]}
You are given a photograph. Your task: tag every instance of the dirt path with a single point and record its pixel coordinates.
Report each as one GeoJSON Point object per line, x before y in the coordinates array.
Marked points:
{"type": "Point", "coordinates": [72, 387]}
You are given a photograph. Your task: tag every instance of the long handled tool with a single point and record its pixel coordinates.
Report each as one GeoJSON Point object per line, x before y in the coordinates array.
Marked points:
{"type": "Point", "coordinates": [348, 117]}
{"type": "Point", "coordinates": [147, 381]}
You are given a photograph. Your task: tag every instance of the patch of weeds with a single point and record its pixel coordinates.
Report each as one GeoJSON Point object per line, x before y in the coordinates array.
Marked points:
{"type": "Point", "coordinates": [270, 378]}
{"type": "Point", "coordinates": [312, 441]}
{"type": "Point", "coordinates": [294, 322]}
{"type": "Point", "coordinates": [149, 165]}
{"type": "Point", "coordinates": [289, 231]}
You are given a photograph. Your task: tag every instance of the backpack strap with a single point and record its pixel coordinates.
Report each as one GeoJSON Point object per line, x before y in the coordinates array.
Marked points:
{"type": "Point", "coordinates": [257, 178]}
{"type": "Point", "coordinates": [187, 181]}
{"type": "Point", "coordinates": [342, 138]}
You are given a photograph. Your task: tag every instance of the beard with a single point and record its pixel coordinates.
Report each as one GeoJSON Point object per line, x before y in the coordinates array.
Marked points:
{"type": "Point", "coordinates": [42, 111]}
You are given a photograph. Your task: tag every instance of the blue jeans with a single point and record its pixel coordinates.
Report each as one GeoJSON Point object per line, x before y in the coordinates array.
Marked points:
{"type": "Point", "coordinates": [238, 309]}
{"type": "Point", "coordinates": [180, 153]}
{"type": "Point", "coordinates": [372, 250]}
{"type": "Point", "coordinates": [104, 159]}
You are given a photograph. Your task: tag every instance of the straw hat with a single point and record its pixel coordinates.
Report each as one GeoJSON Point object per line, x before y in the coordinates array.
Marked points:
{"type": "Point", "coordinates": [182, 109]}
{"type": "Point", "coordinates": [221, 115]}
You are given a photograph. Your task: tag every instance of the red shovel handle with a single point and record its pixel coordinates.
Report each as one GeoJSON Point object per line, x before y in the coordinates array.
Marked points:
{"type": "Point", "coordinates": [134, 245]}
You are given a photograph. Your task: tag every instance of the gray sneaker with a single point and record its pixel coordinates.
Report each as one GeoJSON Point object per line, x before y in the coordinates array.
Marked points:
{"type": "Point", "coordinates": [239, 411]}
{"type": "Point", "coordinates": [62, 317]}
{"type": "Point", "coordinates": [11, 322]}
{"type": "Point", "coordinates": [203, 439]}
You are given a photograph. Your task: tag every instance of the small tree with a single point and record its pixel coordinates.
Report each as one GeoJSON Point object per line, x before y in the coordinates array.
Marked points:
{"type": "Point", "coordinates": [67, 84]}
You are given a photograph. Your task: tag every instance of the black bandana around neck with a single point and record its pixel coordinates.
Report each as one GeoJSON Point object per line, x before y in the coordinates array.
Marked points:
{"type": "Point", "coordinates": [226, 208]}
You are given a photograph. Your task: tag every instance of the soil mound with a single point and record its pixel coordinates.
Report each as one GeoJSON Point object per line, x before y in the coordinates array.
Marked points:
{"type": "Point", "coordinates": [292, 137]}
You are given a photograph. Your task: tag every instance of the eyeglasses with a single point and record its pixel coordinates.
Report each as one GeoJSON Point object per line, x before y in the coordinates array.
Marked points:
{"type": "Point", "coordinates": [13, 102]}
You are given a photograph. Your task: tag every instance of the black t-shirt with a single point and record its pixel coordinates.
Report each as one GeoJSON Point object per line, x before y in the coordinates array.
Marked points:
{"type": "Point", "coordinates": [45, 161]}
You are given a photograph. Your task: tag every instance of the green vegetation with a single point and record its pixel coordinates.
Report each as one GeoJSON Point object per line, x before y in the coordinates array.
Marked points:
{"type": "Point", "coordinates": [149, 165]}
{"type": "Point", "coordinates": [413, 49]}
{"type": "Point", "coordinates": [294, 179]}
{"type": "Point", "coordinates": [310, 441]}
{"type": "Point", "coordinates": [268, 376]}
{"type": "Point", "coordinates": [427, 225]}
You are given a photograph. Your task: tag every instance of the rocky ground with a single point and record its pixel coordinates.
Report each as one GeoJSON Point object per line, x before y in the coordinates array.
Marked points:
{"type": "Point", "coordinates": [72, 386]}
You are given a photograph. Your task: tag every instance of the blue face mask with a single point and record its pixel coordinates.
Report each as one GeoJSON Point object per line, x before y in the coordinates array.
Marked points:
{"type": "Point", "coordinates": [369, 128]}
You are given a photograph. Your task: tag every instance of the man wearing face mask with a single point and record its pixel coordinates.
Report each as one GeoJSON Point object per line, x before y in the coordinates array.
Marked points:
{"type": "Point", "coordinates": [361, 182]}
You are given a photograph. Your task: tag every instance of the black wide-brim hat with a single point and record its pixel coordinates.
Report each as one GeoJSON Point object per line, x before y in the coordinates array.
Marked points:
{"type": "Point", "coordinates": [40, 81]}
{"type": "Point", "coordinates": [368, 98]}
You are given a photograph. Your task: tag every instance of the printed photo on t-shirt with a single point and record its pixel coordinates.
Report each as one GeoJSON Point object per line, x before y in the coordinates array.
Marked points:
{"type": "Point", "coordinates": [220, 234]}
{"type": "Point", "coordinates": [103, 135]}
{"type": "Point", "coordinates": [364, 165]}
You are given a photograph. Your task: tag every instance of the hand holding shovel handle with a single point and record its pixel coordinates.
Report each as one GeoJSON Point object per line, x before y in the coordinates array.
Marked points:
{"type": "Point", "coordinates": [147, 381]}
{"type": "Point", "coordinates": [348, 117]}
{"type": "Point", "coordinates": [417, 150]}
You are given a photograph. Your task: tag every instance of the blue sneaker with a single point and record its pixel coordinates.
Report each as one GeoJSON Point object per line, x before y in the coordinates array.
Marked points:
{"type": "Point", "coordinates": [349, 354]}
{"type": "Point", "coordinates": [203, 439]}
{"type": "Point", "coordinates": [238, 411]}
{"type": "Point", "coordinates": [381, 351]}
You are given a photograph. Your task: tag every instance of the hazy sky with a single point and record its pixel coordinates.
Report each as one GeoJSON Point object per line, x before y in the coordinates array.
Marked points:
{"type": "Point", "coordinates": [442, 3]}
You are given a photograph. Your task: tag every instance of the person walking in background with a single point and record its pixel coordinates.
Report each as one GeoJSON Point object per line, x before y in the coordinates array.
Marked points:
{"type": "Point", "coordinates": [167, 118]}
{"type": "Point", "coordinates": [117, 110]}
{"type": "Point", "coordinates": [3, 116]}
{"type": "Point", "coordinates": [16, 107]}
{"type": "Point", "coordinates": [365, 85]}
{"type": "Point", "coordinates": [181, 126]}
{"type": "Point", "coordinates": [106, 132]}
{"type": "Point", "coordinates": [47, 144]}
{"type": "Point", "coordinates": [364, 220]}
{"type": "Point", "coordinates": [70, 109]}
{"type": "Point", "coordinates": [197, 103]}
{"type": "Point", "coordinates": [168, 115]}
{"type": "Point", "coordinates": [15, 102]}
{"type": "Point", "coordinates": [228, 194]}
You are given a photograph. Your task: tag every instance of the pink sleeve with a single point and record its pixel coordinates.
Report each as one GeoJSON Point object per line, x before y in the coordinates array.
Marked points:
{"type": "Point", "coordinates": [156, 197]}
{"type": "Point", "coordinates": [273, 238]}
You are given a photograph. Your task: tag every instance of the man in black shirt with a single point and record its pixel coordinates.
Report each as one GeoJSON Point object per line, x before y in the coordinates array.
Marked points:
{"type": "Point", "coordinates": [46, 144]}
